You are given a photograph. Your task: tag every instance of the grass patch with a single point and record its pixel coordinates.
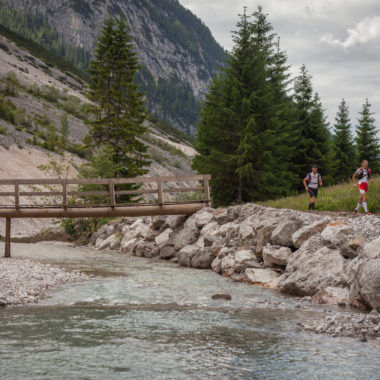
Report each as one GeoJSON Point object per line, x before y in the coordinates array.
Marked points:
{"type": "Point", "coordinates": [164, 146]}
{"type": "Point", "coordinates": [343, 197]}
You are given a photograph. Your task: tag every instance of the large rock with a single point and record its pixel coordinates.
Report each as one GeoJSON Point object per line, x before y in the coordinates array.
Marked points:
{"type": "Point", "coordinates": [336, 233]}
{"type": "Point", "coordinates": [310, 271]}
{"type": "Point", "coordinates": [243, 256]}
{"type": "Point", "coordinates": [202, 218]}
{"type": "Point", "coordinates": [282, 234]}
{"type": "Point", "coordinates": [372, 250]}
{"type": "Point", "coordinates": [128, 246]}
{"type": "Point", "coordinates": [274, 255]}
{"type": "Point", "coordinates": [247, 231]}
{"type": "Point", "coordinates": [174, 221]}
{"type": "Point", "coordinates": [216, 265]}
{"type": "Point", "coordinates": [365, 285]}
{"type": "Point", "coordinates": [188, 236]}
{"type": "Point", "coordinates": [357, 243]}
{"type": "Point", "coordinates": [223, 216]}
{"type": "Point", "coordinates": [263, 277]}
{"type": "Point", "coordinates": [186, 254]}
{"type": "Point", "coordinates": [306, 232]}
{"type": "Point", "coordinates": [146, 249]}
{"type": "Point", "coordinates": [158, 221]}
{"type": "Point", "coordinates": [168, 252]}
{"type": "Point", "coordinates": [332, 296]}
{"type": "Point", "coordinates": [263, 238]}
{"type": "Point", "coordinates": [163, 238]}
{"type": "Point", "coordinates": [112, 242]}
{"type": "Point", "coordinates": [202, 259]}
{"type": "Point", "coordinates": [229, 265]}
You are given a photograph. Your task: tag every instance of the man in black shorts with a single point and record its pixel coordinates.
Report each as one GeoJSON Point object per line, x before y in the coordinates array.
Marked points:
{"type": "Point", "coordinates": [312, 181]}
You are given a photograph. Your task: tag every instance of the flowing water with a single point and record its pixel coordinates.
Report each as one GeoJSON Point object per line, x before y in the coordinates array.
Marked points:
{"type": "Point", "coordinates": [151, 319]}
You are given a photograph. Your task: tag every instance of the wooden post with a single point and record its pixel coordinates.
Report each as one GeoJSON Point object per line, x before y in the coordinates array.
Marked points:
{"type": "Point", "coordinates": [65, 201]}
{"type": "Point", "coordinates": [8, 237]}
{"type": "Point", "coordinates": [160, 193]}
{"type": "Point", "coordinates": [17, 196]}
{"type": "Point", "coordinates": [206, 188]}
{"type": "Point", "coordinates": [112, 194]}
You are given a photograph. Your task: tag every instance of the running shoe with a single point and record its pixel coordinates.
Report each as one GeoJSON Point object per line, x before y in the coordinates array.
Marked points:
{"type": "Point", "coordinates": [368, 213]}
{"type": "Point", "coordinates": [355, 211]}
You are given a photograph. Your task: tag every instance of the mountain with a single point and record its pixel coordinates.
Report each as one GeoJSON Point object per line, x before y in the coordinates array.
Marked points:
{"type": "Point", "coordinates": [40, 92]}
{"type": "Point", "coordinates": [177, 50]}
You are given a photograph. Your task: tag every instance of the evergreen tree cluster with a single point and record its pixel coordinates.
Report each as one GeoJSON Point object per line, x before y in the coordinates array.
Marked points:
{"type": "Point", "coordinates": [260, 132]}
{"type": "Point", "coordinates": [118, 111]}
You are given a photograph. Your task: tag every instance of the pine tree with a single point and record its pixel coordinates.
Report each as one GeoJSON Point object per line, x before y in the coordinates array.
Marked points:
{"type": "Point", "coordinates": [367, 142]}
{"type": "Point", "coordinates": [119, 112]}
{"type": "Point", "coordinates": [344, 148]}
{"type": "Point", "coordinates": [313, 145]}
{"type": "Point", "coordinates": [243, 134]}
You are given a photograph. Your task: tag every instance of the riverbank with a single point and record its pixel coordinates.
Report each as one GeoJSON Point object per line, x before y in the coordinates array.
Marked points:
{"type": "Point", "coordinates": [333, 258]}
{"type": "Point", "coordinates": [24, 281]}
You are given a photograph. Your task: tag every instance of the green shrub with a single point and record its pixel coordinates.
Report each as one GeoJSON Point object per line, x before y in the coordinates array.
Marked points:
{"type": "Point", "coordinates": [3, 131]}
{"type": "Point", "coordinates": [6, 110]}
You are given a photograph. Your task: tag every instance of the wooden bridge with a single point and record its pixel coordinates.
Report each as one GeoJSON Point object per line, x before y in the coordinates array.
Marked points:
{"type": "Point", "coordinates": [80, 198]}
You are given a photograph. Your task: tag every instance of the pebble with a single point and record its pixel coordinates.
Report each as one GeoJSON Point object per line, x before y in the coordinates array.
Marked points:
{"type": "Point", "coordinates": [23, 281]}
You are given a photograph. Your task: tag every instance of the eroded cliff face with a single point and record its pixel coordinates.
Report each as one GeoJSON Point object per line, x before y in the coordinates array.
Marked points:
{"type": "Point", "coordinates": [171, 42]}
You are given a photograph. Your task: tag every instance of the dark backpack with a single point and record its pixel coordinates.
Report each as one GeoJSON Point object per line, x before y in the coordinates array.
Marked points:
{"type": "Point", "coordinates": [361, 173]}
{"type": "Point", "coordinates": [309, 178]}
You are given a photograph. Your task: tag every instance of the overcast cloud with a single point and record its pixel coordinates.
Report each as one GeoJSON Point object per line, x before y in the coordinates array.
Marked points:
{"type": "Point", "coordinates": [337, 40]}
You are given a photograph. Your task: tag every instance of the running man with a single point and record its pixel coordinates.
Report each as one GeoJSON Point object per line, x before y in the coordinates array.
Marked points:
{"type": "Point", "coordinates": [364, 174]}
{"type": "Point", "coordinates": [314, 180]}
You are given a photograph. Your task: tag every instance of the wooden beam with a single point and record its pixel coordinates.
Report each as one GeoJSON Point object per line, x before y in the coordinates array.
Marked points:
{"type": "Point", "coordinates": [100, 181]}
{"type": "Point", "coordinates": [17, 195]}
{"type": "Point", "coordinates": [7, 237]}
{"type": "Point", "coordinates": [65, 200]}
{"type": "Point", "coordinates": [83, 212]}
{"type": "Point", "coordinates": [206, 187]}
{"type": "Point", "coordinates": [112, 194]}
{"type": "Point", "coordinates": [160, 194]}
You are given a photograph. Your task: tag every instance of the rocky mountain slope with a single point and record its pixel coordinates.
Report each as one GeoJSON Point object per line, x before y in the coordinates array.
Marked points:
{"type": "Point", "coordinates": [34, 96]}
{"type": "Point", "coordinates": [177, 50]}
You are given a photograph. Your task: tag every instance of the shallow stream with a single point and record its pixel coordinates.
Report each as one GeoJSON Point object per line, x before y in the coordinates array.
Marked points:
{"type": "Point", "coordinates": [151, 319]}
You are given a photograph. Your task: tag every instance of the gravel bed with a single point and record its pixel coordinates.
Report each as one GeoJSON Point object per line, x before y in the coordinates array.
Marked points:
{"type": "Point", "coordinates": [23, 281]}
{"type": "Point", "coordinates": [347, 325]}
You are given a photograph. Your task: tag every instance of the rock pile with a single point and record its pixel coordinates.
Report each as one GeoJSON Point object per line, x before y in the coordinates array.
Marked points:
{"type": "Point", "coordinates": [23, 281]}
{"type": "Point", "coordinates": [331, 258]}
{"type": "Point", "coordinates": [347, 325]}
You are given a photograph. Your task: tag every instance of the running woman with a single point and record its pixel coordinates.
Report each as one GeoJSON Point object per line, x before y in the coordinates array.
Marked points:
{"type": "Point", "coordinates": [364, 174]}
{"type": "Point", "coordinates": [314, 180]}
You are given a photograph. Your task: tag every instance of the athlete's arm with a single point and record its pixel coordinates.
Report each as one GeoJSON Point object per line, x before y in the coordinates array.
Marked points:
{"type": "Point", "coordinates": [371, 176]}
{"type": "Point", "coordinates": [354, 179]}
{"type": "Point", "coordinates": [320, 181]}
{"type": "Point", "coordinates": [304, 183]}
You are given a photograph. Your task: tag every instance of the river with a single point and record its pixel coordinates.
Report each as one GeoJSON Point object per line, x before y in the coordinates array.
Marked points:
{"type": "Point", "coordinates": [151, 319]}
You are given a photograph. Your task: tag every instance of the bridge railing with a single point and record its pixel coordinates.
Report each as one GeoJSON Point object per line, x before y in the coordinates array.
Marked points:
{"type": "Point", "coordinates": [62, 192]}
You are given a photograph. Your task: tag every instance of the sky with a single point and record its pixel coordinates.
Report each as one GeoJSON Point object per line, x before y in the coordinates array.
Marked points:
{"type": "Point", "coordinates": [337, 40]}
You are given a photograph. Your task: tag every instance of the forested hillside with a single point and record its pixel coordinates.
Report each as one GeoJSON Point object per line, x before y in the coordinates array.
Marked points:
{"type": "Point", "coordinates": [177, 50]}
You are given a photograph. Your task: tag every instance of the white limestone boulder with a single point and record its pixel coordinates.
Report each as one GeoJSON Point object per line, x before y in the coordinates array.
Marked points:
{"type": "Point", "coordinates": [274, 255]}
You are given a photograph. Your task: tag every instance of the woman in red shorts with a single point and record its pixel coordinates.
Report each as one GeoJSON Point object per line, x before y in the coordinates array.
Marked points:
{"type": "Point", "coordinates": [364, 174]}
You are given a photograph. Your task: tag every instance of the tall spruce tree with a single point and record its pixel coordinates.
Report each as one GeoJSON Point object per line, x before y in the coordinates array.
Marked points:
{"type": "Point", "coordinates": [313, 144]}
{"type": "Point", "coordinates": [367, 142]}
{"type": "Point", "coordinates": [118, 113]}
{"type": "Point", "coordinates": [344, 148]}
{"type": "Point", "coordinates": [243, 136]}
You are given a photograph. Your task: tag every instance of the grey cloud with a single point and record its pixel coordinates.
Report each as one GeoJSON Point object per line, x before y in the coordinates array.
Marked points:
{"type": "Point", "coordinates": [337, 40]}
